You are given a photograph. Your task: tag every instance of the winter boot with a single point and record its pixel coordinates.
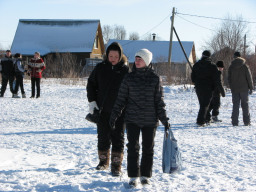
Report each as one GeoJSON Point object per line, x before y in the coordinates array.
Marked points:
{"type": "Point", "coordinates": [144, 180]}
{"type": "Point", "coordinates": [104, 160]}
{"type": "Point", "coordinates": [23, 95]}
{"type": "Point", "coordinates": [133, 182]}
{"type": "Point", "coordinates": [116, 162]}
{"type": "Point", "coordinates": [215, 119]}
{"type": "Point", "coordinates": [15, 96]}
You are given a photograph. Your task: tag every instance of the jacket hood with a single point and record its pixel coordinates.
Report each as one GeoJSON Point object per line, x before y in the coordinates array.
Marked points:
{"type": "Point", "coordinates": [238, 62]}
{"type": "Point", "coordinates": [115, 46]}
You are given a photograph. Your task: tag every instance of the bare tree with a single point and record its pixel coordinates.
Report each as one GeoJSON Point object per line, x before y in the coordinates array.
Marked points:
{"type": "Point", "coordinates": [107, 33]}
{"type": "Point", "coordinates": [230, 34]}
{"type": "Point", "coordinates": [227, 39]}
{"type": "Point", "coordinates": [119, 32]}
{"type": "Point", "coordinates": [134, 36]}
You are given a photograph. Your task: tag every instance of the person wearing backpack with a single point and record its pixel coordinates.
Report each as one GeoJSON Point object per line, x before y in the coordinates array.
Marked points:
{"type": "Point", "coordinates": [19, 75]}
{"type": "Point", "coordinates": [140, 97]}
{"type": "Point", "coordinates": [102, 88]}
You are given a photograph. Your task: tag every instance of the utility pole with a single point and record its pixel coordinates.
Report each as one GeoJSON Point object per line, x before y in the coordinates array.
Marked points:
{"type": "Point", "coordinates": [171, 36]}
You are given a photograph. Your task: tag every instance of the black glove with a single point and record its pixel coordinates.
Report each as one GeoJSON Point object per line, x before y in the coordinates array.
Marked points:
{"type": "Point", "coordinates": [112, 124]}
{"type": "Point", "coordinates": [167, 126]}
{"type": "Point", "coordinates": [250, 91]}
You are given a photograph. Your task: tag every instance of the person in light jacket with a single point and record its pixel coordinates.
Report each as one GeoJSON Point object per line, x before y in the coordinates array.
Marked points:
{"type": "Point", "coordinates": [35, 68]}
{"type": "Point", "coordinates": [241, 85]}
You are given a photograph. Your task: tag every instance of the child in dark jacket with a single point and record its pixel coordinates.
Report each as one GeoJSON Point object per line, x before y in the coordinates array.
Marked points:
{"type": "Point", "coordinates": [141, 96]}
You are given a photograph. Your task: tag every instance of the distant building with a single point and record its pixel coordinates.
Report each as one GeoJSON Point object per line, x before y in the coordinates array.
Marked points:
{"type": "Point", "coordinates": [82, 38]}
{"type": "Point", "coordinates": [160, 50]}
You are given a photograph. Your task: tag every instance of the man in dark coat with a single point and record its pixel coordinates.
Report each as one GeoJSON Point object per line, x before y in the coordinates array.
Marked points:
{"type": "Point", "coordinates": [205, 77]}
{"type": "Point", "coordinates": [102, 89]}
{"type": "Point", "coordinates": [141, 96]}
{"type": "Point", "coordinates": [215, 102]}
{"type": "Point", "coordinates": [241, 84]}
{"type": "Point", "coordinates": [8, 73]}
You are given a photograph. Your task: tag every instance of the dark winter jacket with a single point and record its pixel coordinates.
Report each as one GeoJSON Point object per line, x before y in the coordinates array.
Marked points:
{"type": "Point", "coordinates": [7, 66]}
{"type": "Point", "coordinates": [104, 82]}
{"type": "Point", "coordinates": [218, 91]}
{"type": "Point", "coordinates": [205, 75]}
{"type": "Point", "coordinates": [141, 95]}
{"type": "Point", "coordinates": [239, 76]}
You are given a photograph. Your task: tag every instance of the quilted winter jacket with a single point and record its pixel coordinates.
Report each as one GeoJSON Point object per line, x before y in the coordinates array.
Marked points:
{"type": "Point", "coordinates": [141, 95]}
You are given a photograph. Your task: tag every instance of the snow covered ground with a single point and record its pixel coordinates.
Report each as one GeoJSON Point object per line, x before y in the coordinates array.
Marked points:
{"type": "Point", "coordinates": [46, 145]}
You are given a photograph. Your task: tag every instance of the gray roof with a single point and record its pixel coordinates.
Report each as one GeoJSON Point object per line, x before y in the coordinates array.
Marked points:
{"type": "Point", "coordinates": [160, 49]}
{"type": "Point", "coordinates": [61, 35]}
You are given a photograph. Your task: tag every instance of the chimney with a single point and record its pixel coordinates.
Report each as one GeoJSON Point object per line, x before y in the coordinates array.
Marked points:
{"type": "Point", "coordinates": [154, 36]}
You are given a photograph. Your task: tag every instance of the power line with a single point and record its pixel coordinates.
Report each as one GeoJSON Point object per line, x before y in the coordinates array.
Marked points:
{"type": "Point", "coordinates": [196, 24]}
{"type": "Point", "coordinates": [150, 29]}
{"type": "Point", "coordinates": [216, 18]}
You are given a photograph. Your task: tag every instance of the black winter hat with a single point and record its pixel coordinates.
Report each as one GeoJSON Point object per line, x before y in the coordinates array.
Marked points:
{"type": "Point", "coordinates": [206, 53]}
{"type": "Point", "coordinates": [220, 64]}
{"type": "Point", "coordinates": [237, 54]}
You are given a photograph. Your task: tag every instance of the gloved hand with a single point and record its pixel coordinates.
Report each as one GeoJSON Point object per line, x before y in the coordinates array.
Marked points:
{"type": "Point", "coordinates": [112, 124]}
{"type": "Point", "coordinates": [250, 91]}
{"type": "Point", "coordinates": [93, 105]}
{"type": "Point", "coordinates": [167, 126]}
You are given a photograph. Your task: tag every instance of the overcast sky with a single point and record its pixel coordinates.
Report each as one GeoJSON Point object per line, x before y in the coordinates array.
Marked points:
{"type": "Point", "coordinates": [142, 16]}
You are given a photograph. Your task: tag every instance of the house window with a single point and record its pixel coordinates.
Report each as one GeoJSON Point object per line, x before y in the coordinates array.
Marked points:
{"type": "Point", "coordinates": [96, 42]}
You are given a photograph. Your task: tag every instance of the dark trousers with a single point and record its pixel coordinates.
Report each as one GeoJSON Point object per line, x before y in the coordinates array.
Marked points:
{"type": "Point", "coordinates": [243, 99]}
{"type": "Point", "coordinates": [19, 83]}
{"type": "Point", "coordinates": [5, 79]}
{"type": "Point", "coordinates": [133, 134]}
{"type": "Point", "coordinates": [35, 82]}
{"type": "Point", "coordinates": [214, 105]}
{"type": "Point", "coordinates": [204, 96]}
{"type": "Point", "coordinates": [106, 136]}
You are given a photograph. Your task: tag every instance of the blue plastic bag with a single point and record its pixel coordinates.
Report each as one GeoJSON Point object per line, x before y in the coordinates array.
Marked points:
{"type": "Point", "coordinates": [171, 161]}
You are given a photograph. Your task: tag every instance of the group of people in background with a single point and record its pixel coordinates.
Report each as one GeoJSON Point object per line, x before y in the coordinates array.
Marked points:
{"type": "Point", "coordinates": [207, 78]}
{"type": "Point", "coordinates": [135, 99]}
{"type": "Point", "coordinates": [13, 69]}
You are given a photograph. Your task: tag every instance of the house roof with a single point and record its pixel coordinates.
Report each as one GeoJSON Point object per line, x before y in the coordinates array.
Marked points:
{"type": "Point", "coordinates": [61, 35]}
{"type": "Point", "coordinates": [160, 49]}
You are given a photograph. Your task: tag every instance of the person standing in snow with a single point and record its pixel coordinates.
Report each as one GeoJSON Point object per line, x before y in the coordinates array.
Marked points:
{"type": "Point", "coordinates": [141, 98]}
{"type": "Point", "coordinates": [215, 102]}
{"type": "Point", "coordinates": [19, 75]}
{"type": "Point", "coordinates": [241, 85]}
{"type": "Point", "coordinates": [35, 68]}
{"type": "Point", "coordinates": [7, 71]}
{"type": "Point", "coordinates": [102, 89]}
{"type": "Point", "coordinates": [206, 78]}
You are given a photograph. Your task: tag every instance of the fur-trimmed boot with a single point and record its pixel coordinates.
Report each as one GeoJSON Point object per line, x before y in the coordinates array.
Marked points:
{"type": "Point", "coordinates": [104, 160]}
{"type": "Point", "coordinates": [116, 163]}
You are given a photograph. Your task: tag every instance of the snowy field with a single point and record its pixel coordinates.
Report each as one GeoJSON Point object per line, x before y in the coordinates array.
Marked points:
{"type": "Point", "coordinates": [47, 145]}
